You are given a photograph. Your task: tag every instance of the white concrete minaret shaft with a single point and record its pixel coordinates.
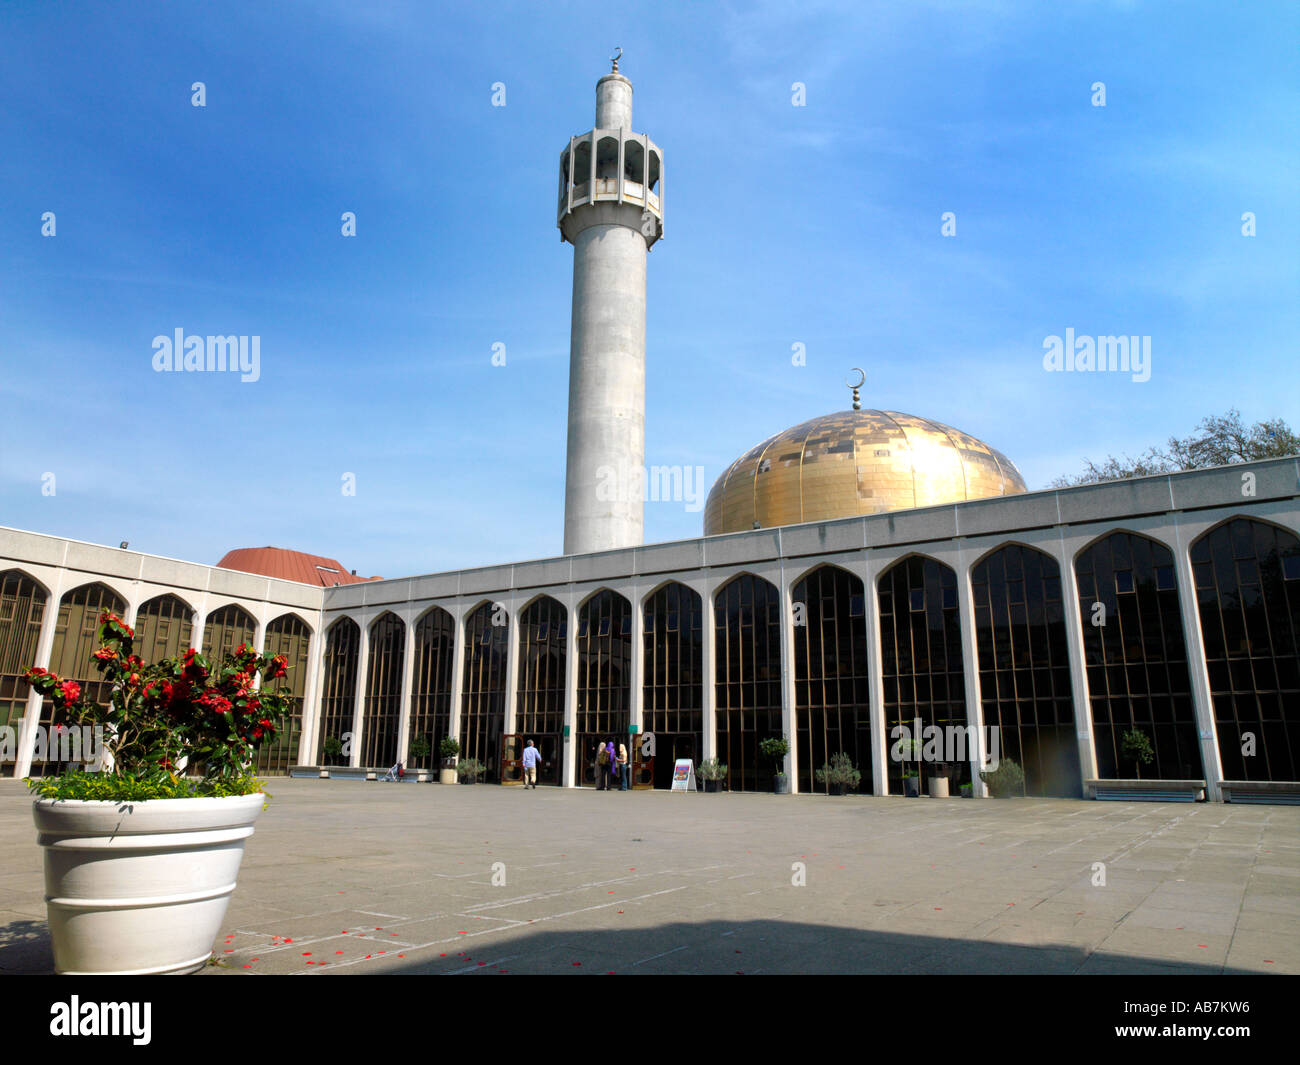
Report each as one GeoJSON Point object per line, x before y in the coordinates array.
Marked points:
{"type": "Point", "coordinates": [611, 211]}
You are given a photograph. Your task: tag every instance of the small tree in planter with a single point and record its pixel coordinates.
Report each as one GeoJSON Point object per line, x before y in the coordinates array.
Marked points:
{"type": "Point", "coordinates": [712, 772]}
{"type": "Point", "coordinates": [333, 747]}
{"type": "Point", "coordinates": [469, 770]}
{"type": "Point", "coordinates": [839, 774]}
{"type": "Point", "coordinates": [1136, 745]}
{"type": "Point", "coordinates": [776, 748]}
{"type": "Point", "coordinates": [1007, 780]}
{"type": "Point", "coordinates": [165, 847]}
{"type": "Point", "coordinates": [448, 749]}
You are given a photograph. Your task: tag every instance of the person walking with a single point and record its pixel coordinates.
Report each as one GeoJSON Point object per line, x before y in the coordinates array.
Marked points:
{"type": "Point", "coordinates": [532, 756]}
{"type": "Point", "coordinates": [602, 767]}
{"type": "Point", "coordinates": [623, 768]}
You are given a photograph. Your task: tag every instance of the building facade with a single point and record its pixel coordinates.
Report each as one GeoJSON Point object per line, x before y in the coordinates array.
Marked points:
{"type": "Point", "coordinates": [1063, 618]}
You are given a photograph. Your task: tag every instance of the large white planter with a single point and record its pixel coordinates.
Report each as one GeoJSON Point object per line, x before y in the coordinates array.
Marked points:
{"type": "Point", "coordinates": [140, 887]}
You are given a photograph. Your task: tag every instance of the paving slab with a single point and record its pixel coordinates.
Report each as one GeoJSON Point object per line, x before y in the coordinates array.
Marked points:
{"type": "Point", "coordinates": [346, 877]}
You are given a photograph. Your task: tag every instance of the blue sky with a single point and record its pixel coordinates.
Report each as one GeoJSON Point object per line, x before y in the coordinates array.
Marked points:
{"type": "Point", "coordinates": [817, 225]}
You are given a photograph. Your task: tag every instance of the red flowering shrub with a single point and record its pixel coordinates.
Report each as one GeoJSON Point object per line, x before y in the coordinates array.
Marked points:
{"type": "Point", "coordinates": [181, 711]}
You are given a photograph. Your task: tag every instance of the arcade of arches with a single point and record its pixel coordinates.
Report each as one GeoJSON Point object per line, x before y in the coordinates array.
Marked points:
{"type": "Point", "coordinates": [1245, 572]}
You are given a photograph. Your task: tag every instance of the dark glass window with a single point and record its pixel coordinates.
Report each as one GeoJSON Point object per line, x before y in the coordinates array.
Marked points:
{"type": "Point", "coordinates": [435, 645]}
{"type": "Point", "coordinates": [673, 682]}
{"type": "Point", "coordinates": [832, 710]}
{"type": "Point", "coordinates": [1137, 661]}
{"type": "Point", "coordinates": [483, 699]}
{"type": "Point", "coordinates": [1024, 667]}
{"type": "Point", "coordinates": [747, 658]}
{"type": "Point", "coordinates": [1250, 622]}
{"type": "Point", "coordinates": [383, 698]}
{"type": "Point", "coordinates": [921, 658]}
{"type": "Point", "coordinates": [339, 693]}
{"type": "Point", "coordinates": [22, 609]}
{"type": "Point", "coordinates": [287, 635]}
{"type": "Point", "coordinates": [604, 677]}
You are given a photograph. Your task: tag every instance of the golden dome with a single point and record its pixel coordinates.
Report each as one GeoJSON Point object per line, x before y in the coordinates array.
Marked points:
{"type": "Point", "coordinates": [855, 462]}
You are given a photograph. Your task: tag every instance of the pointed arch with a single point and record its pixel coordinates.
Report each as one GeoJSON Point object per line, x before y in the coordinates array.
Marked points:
{"type": "Point", "coordinates": [23, 605]}
{"type": "Point", "coordinates": [1247, 577]}
{"type": "Point", "coordinates": [227, 627]}
{"type": "Point", "coordinates": [604, 669]}
{"type": "Point", "coordinates": [1135, 656]}
{"type": "Point", "coordinates": [673, 677]}
{"type": "Point", "coordinates": [164, 628]}
{"type": "Point", "coordinates": [921, 662]}
{"type": "Point", "coordinates": [382, 710]}
{"type": "Point", "coordinates": [747, 671]}
{"type": "Point", "coordinates": [287, 635]}
{"type": "Point", "coordinates": [1024, 665]}
{"type": "Point", "coordinates": [338, 689]}
{"type": "Point", "coordinates": [831, 679]}
{"type": "Point", "coordinates": [435, 647]}
{"type": "Point", "coordinates": [483, 698]}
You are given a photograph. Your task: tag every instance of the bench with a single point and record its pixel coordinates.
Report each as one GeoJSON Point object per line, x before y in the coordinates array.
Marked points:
{"type": "Point", "coordinates": [1272, 792]}
{"type": "Point", "coordinates": [1145, 790]}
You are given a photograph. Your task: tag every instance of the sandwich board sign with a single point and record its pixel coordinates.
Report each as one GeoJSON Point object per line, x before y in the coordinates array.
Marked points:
{"type": "Point", "coordinates": [684, 775]}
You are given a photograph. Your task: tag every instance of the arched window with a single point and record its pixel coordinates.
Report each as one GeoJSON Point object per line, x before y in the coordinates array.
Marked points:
{"type": "Point", "coordinates": [287, 635]}
{"type": "Point", "coordinates": [1247, 576]}
{"type": "Point", "coordinates": [226, 629]}
{"type": "Point", "coordinates": [383, 707]}
{"type": "Point", "coordinates": [22, 609]}
{"type": "Point", "coordinates": [164, 627]}
{"type": "Point", "coordinates": [673, 677]}
{"type": "Point", "coordinates": [921, 664]}
{"type": "Point", "coordinates": [832, 711]}
{"type": "Point", "coordinates": [339, 689]}
{"type": "Point", "coordinates": [435, 645]}
{"type": "Point", "coordinates": [1024, 667]}
{"type": "Point", "coordinates": [604, 671]}
{"type": "Point", "coordinates": [483, 702]}
{"type": "Point", "coordinates": [1136, 658]}
{"type": "Point", "coordinates": [747, 659]}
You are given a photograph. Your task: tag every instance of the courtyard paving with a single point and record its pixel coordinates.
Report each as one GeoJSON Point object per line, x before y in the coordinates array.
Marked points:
{"type": "Point", "coordinates": [487, 880]}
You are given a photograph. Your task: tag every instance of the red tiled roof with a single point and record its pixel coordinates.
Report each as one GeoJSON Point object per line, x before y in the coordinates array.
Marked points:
{"type": "Point", "coordinates": [291, 566]}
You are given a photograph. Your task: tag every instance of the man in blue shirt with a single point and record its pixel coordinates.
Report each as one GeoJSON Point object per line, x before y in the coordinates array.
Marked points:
{"type": "Point", "coordinates": [531, 759]}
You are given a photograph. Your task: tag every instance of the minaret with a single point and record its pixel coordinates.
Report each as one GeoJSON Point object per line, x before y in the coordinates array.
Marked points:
{"type": "Point", "coordinates": [611, 211]}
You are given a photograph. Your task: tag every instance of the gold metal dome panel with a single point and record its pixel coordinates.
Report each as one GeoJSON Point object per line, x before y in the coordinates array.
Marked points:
{"type": "Point", "coordinates": [852, 463]}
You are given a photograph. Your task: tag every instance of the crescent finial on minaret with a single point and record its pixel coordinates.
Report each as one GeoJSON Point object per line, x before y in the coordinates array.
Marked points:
{"type": "Point", "coordinates": [618, 54]}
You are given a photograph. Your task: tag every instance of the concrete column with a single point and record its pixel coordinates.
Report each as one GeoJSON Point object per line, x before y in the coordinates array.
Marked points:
{"type": "Point", "coordinates": [568, 774]}
{"type": "Point", "coordinates": [636, 694]}
{"type": "Point", "coordinates": [709, 684]}
{"type": "Point", "coordinates": [970, 671]}
{"type": "Point", "coordinates": [359, 704]}
{"type": "Point", "coordinates": [408, 682]}
{"type": "Point", "coordinates": [870, 571]}
{"type": "Point", "coordinates": [788, 713]}
{"type": "Point", "coordinates": [44, 649]}
{"type": "Point", "coordinates": [1198, 670]}
{"type": "Point", "coordinates": [1078, 668]}
{"type": "Point", "coordinates": [512, 670]}
{"type": "Point", "coordinates": [457, 675]}
{"type": "Point", "coordinates": [311, 695]}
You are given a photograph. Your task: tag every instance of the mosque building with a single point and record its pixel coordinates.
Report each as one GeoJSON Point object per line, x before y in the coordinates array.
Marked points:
{"type": "Point", "coordinates": [858, 574]}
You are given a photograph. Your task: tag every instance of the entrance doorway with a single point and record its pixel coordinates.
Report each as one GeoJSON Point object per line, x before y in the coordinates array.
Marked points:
{"type": "Point", "coordinates": [549, 745]}
{"type": "Point", "coordinates": [669, 747]}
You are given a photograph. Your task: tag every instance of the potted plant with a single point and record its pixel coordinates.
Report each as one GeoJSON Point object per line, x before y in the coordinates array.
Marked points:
{"type": "Point", "coordinates": [966, 791]}
{"type": "Point", "coordinates": [839, 774]}
{"type": "Point", "coordinates": [448, 749]}
{"type": "Point", "coordinates": [713, 773]}
{"type": "Point", "coordinates": [1137, 745]}
{"type": "Point", "coordinates": [469, 770]}
{"type": "Point", "coordinates": [333, 747]}
{"type": "Point", "coordinates": [1007, 780]}
{"type": "Point", "coordinates": [908, 751]}
{"type": "Point", "coordinates": [140, 861]}
{"type": "Point", "coordinates": [776, 748]}
{"type": "Point", "coordinates": [911, 782]}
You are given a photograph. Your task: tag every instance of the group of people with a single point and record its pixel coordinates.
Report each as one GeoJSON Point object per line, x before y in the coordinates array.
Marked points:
{"type": "Point", "coordinates": [612, 764]}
